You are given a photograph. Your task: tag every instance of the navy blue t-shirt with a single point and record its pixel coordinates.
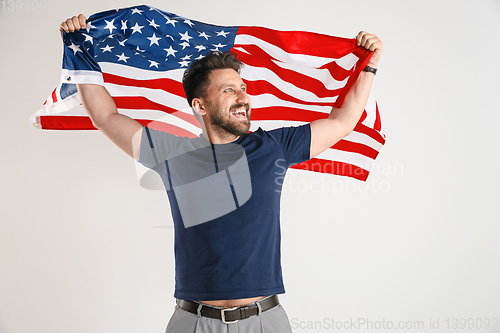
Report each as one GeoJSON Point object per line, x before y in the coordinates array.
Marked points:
{"type": "Point", "coordinates": [225, 203]}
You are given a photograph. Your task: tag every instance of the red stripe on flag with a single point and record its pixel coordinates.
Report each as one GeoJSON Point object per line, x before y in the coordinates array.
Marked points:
{"type": "Point", "coordinates": [299, 42]}
{"type": "Point", "coordinates": [84, 123]}
{"type": "Point", "coordinates": [356, 147]}
{"type": "Point", "coordinates": [338, 168]}
{"type": "Point", "coordinates": [66, 123]}
{"type": "Point", "coordinates": [337, 72]}
{"type": "Point", "coordinates": [370, 132]}
{"type": "Point", "coordinates": [363, 116]}
{"type": "Point", "coordinates": [378, 121]}
{"type": "Point", "coordinates": [164, 84]}
{"type": "Point", "coordinates": [286, 113]}
{"type": "Point", "coordinates": [54, 96]}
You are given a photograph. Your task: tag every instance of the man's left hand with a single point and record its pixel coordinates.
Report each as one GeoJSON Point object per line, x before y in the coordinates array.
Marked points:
{"type": "Point", "coordinates": [373, 43]}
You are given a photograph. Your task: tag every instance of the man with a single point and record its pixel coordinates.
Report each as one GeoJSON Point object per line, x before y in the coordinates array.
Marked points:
{"type": "Point", "coordinates": [223, 191]}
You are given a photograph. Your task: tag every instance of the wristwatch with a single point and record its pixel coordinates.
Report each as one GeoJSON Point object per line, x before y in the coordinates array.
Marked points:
{"type": "Point", "coordinates": [370, 69]}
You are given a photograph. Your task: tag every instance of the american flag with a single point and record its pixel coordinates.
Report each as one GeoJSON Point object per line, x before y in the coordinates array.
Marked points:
{"type": "Point", "coordinates": [140, 53]}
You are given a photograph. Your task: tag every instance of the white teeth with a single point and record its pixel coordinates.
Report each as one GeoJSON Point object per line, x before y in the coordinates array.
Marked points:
{"type": "Point", "coordinates": [238, 112]}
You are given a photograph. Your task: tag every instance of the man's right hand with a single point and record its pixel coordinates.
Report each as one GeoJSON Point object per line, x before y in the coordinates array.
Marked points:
{"type": "Point", "coordinates": [74, 23]}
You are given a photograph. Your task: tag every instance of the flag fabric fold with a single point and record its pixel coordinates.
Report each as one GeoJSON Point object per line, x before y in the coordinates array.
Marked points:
{"type": "Point", "coordinates": [140, 53]}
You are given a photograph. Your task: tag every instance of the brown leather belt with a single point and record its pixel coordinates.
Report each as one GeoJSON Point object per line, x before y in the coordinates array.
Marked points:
{"type": "Point", "coordinates": [229, 315]}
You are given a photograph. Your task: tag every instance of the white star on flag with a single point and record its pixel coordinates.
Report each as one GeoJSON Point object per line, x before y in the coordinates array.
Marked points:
{"type": "Point", "coordinates": [89, 26]}
{"type": "Point", "coordinates": [153, 24]}
{"type": "Point", "coordinates": [137, 28]}
{"type": "Point", "coordinates": [222, 33]}
{"type": "Point", "coordinates": [185, 36]}
{"type": "Point", "coordinates": [110, 26]}
{"type": "Point", "coordinates": [124, 26]}
{"type": "Point", "coordinates": [154, 40]}
{"type": "Point", "coordinates": [75, 48]}
{"type": "Point", "coordinates": [200, 48]}
{"type": "Point", "coordinates": [172, 22]}
{"type": "Point", "coordinates": [153, 63]}
{"type": "Point", "coordinates": [137, 11]}
{"type": "Point", "coordinates": [189, 22]}
{"type": "Point", "coordinates": [170, 51]}
{"type": "Point", "coordinates": [107, 48]}
{"type": "Point", "coordinates": [88, 39]}
{"type": "Point", "coordinates": [203, 34]}
{"type": "Point", "coordinates": [122, 57]}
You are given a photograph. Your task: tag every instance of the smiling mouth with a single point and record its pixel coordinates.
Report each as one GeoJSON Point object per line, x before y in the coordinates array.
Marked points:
{"type": "Point", "coordinates": [240, 111]}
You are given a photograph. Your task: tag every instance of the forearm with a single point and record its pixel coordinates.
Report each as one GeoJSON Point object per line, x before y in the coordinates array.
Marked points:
{"type": "Point", "coordinates": [354, 103]}
{"type": "Point", "coordinates": [125, 132]}
{"type": "Point", "coordinates": [341, 121]}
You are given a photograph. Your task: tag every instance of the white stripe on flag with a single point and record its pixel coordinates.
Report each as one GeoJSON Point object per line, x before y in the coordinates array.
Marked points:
{"type": "Point", "coordinates": [155, 95]}
{"type": "Point", "coordinates": [140, 74]}
{"type": "Point", "coordinates": [347, 61]}
{"type": "Point", "coordinates": [268, 100]}
{"type": "Point", "coordinates": [347, 157]}
{"type": "Point", "coordinates": [80, 76]}
{"type": "Point", "coordinates": [371, 111]}
{"type": "Point", "coordinates": [364, 139]}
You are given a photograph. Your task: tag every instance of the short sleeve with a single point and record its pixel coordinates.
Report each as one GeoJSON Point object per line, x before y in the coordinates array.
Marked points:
{"type": "Point", "coordinates": [295, 142]}
{"type": "Point", "coordinates": [156, 146]}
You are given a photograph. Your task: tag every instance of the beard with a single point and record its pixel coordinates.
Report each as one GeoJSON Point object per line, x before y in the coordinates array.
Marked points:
{"type": "Point", "coordinates": [226, 125]}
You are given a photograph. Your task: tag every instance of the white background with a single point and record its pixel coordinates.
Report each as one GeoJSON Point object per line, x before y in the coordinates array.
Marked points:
{"type": "Point", "coordinates": [83, 248]}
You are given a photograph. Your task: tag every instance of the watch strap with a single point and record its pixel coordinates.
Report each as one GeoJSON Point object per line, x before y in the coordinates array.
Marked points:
{"type": "Point", "coordinates": [370, 69]}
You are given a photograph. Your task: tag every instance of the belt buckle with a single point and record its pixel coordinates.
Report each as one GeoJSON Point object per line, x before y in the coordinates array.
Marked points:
{"type": "Point", "coordinates": [223, 315]}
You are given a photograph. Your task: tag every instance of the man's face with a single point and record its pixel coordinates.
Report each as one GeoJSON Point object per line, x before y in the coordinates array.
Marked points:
{"type": "Point", "coordinates": [228, 105]}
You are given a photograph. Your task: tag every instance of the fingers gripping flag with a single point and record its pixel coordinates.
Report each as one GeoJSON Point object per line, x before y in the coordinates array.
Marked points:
{"type": "Point", "coordinates": [140, 53]}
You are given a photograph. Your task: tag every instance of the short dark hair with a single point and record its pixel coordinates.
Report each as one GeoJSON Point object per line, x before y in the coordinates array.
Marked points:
{"type": "Point", "coordinates": [196, 78]}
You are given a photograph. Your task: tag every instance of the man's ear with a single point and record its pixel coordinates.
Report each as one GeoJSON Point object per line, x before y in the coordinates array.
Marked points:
{"type": "Point", "coordinates": [198, 106]}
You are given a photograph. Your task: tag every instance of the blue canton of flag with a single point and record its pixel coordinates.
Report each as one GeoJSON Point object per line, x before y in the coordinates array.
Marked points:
{"type": "Point", "coordinates": [161, 41]}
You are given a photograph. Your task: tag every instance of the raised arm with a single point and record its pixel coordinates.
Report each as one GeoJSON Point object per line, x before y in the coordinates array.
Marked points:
{"type": "Point", "coordinates": [123, 131]}
{"type": "Point", "coordinates": [340, 123]}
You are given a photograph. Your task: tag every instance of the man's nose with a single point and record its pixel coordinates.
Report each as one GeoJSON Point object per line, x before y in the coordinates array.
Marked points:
{"type": "Point", "coordinates": [242, 97]}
